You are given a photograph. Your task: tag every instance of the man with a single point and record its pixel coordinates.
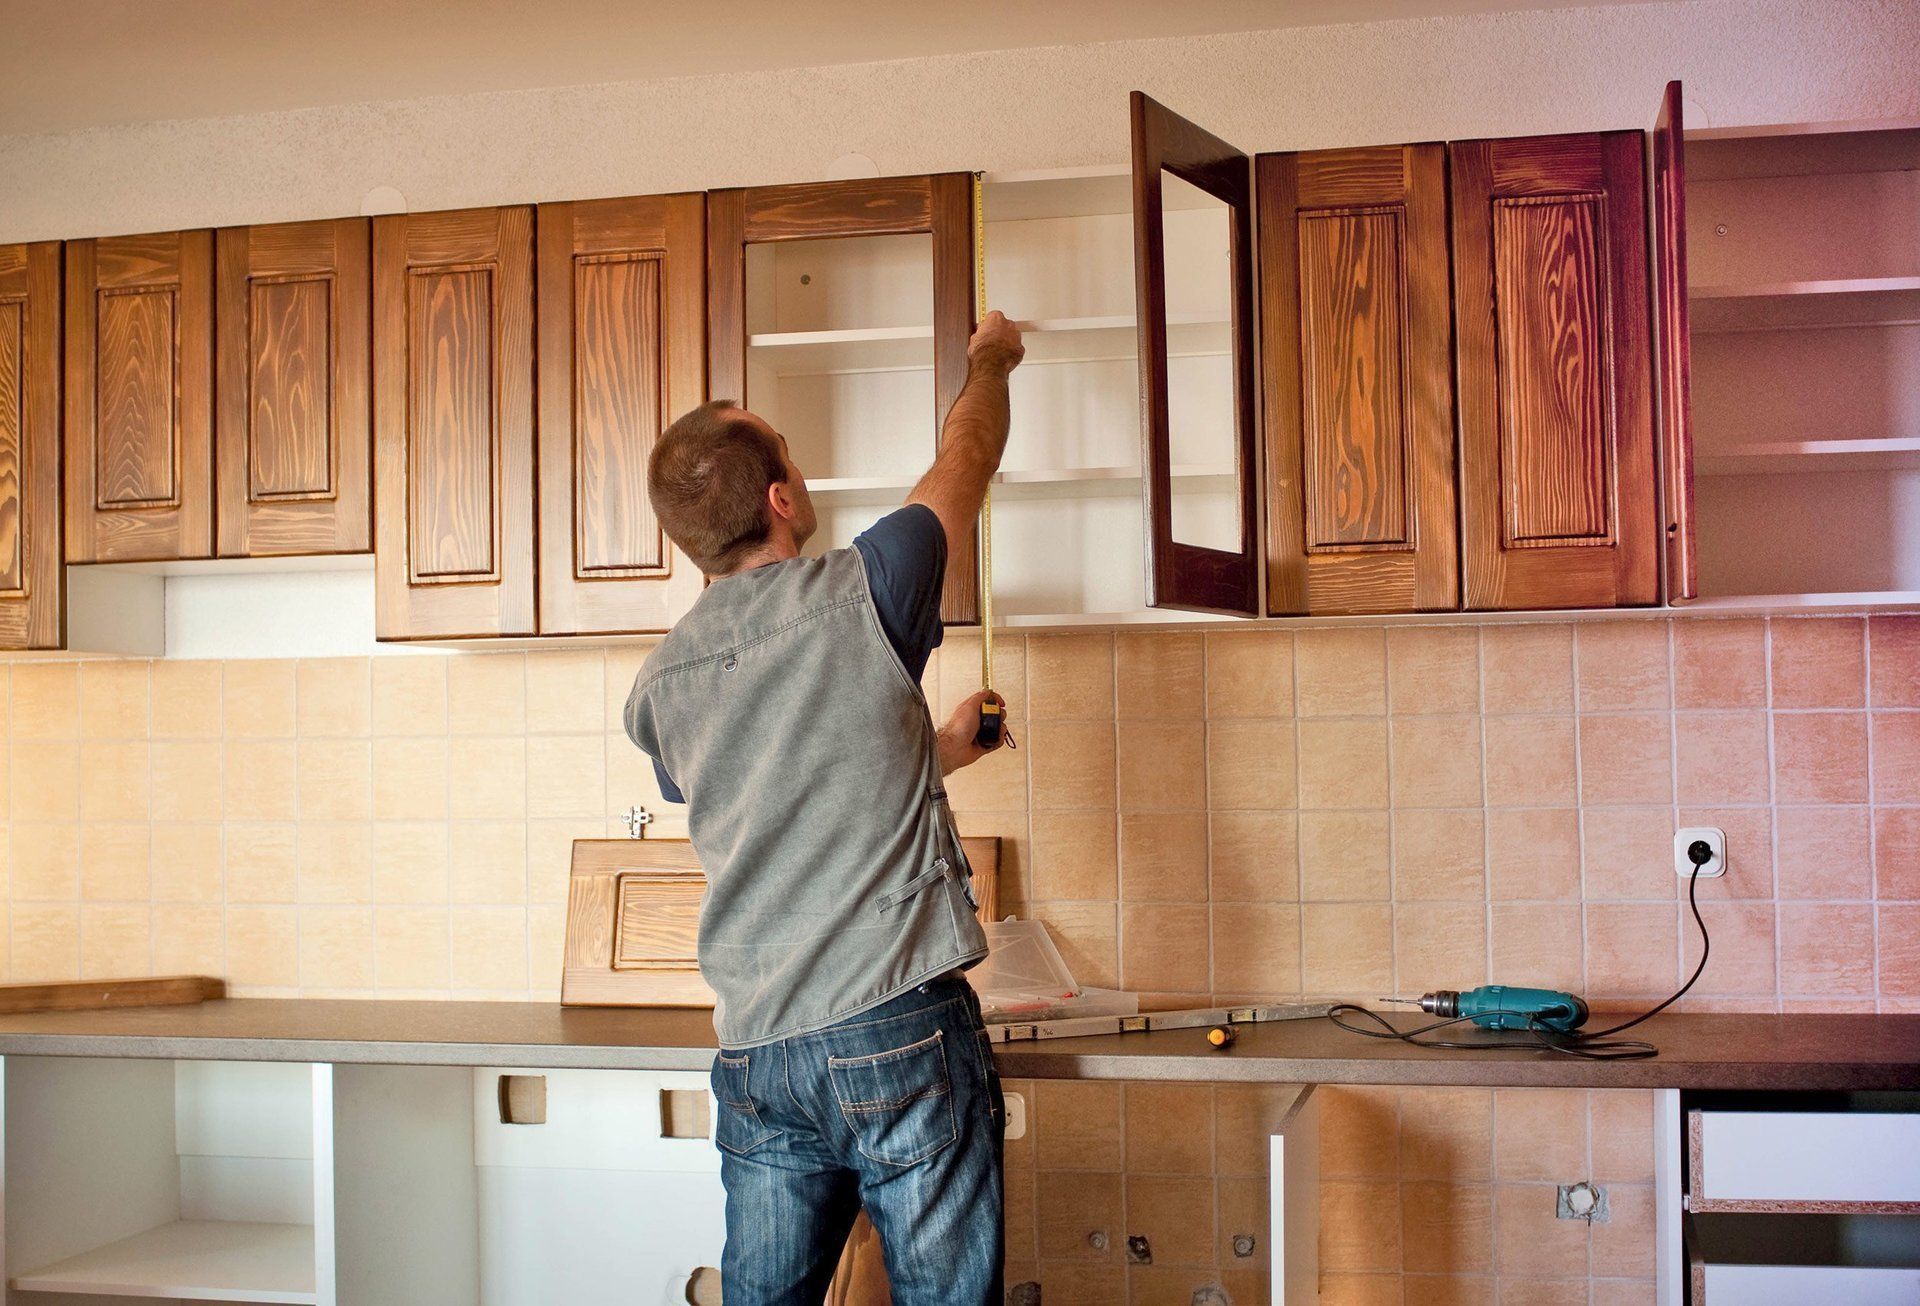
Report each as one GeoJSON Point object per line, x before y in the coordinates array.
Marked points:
{"type": "Point", "coordinates": [785, 710]}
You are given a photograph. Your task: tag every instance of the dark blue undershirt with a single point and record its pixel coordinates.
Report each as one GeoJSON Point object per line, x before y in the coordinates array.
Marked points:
{"type": "Point", "coordinates": [906, 556]}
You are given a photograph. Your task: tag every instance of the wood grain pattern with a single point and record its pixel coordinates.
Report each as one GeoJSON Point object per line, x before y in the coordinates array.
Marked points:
{"type": "Point", "coordinates": [940, 205]}
{"type": "Point", "coordinates": [32, 579]}
{"type": "Point", "coordinates": [1674, 344]}
{"type": "Point", "coordinates": [1185, 575]}
{"type": "Point", "coordinates": [633, 918]}
{"type": "Point", "coordinates": [1554, 365]}
{"type": "Point", "coordinates": [293, 427]}
{"type": "Point", "coordinates": [1358, 379]}
{"type": "Point", "coordinates": [139, 395]}
{"type": "Point", "coordinates": [622, 325]}
{"type": "Point", "coordinates": [453, 423]}
{"type": "Point", "coordinates": [97, 995]}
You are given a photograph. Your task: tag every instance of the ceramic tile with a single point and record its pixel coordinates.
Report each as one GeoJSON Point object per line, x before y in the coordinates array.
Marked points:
{"type": "Point", "coordinates": [1255, 857]}
{"type": "Point", "coordinates": [1244, 1214]}
{"type": "Point", "coordinates": [565, 691]}
{"type": "Point", "coordinates": [1819, 662]}
{"type": "Point", "coordinates": [1162, 766]}
{"type": "Point", "coordinates": [1622, 1127]}
{"type": "Point", "coordinates": [1071, 1208]}
{"type": "Point", "coordinates": [116, 939]}
{"type": "Point", "coordinates": [1896, 857]}
{"type": "Point", "coordinates": [1359, 1131]}
{"type": "Point", "coordinates": [1721, 757]}
{"type": "Point", "coordinates": [46, 701]}
{"type": "Point", "coordinates": [1163, 857]}
{"type": "Point", "coordinates": [1439, 943]}
{"type": "Point", "coordinates": [410, 862]}
{"type": "Point", "coordinates": [1446, 1228]}
{"type": "Point", "coordinates": [46, 781]}
{"type": "Point", "coordinates": [1533, 852]}
{"type": "Point", "coordinates": [1896, 659]}
{"type": "Point", "coordinates": [1073, 764]}
{"type": "Point", "coordinates": [1446, 1134]}
{"type": "Point", "coordinates": [1629, 853]}
{"type": "Point", "coordinates": [1541, 940]}
{"type": "Point", "coordinates": [487, 695]}
{"type": "Point", "coordinates": [1077, 1125]}
{"type": "Point", "coordinates": [336, 779]}
{"type": "Point", "coordinates": [1529, 761]}
{"type": "Point", "coordinates": [1340, 672]}
{"type": "Point", "coordinates": [1896, 757]}
{"type": "Point", "coordinates": [1828, 852]}
{"type": "Point", "coordinates": [487, 777]}
{"type": "Point", "coordinates": [1344, 856]}
{"type": "Point", "coordinates": [1530, 1240]}
{"type": "Point", "coordinates": [1632, 949]}
{"type": "Point", "coordinates": [261, 863]}
{"type": "Point", "coordinates": [1527, 668]}
{"type": "Point", "coordinates": [1250, 764]}
{"type": "Point", "coordinates": [1741, 963]}
{"type": "Point", "coordinates": [1347, 948]}
{"type": "Point", "coordinates": [46, 861]}
{"type": "Point", "coordinates": [1899, 950]}
{"type": "Point", "coordinates": [546, 941]}
{"type": "Point", "coordinates": [115, 862]}
{"type": "Point", "coordinates": [333, 697]}
{"type": "Point", "coordinates": [259, 779]}
{"type": "Point", "coordinates": [410, 777]}
{"type": "Point", "coordinates": [1338, 1289]}
{"type": "Point", "coordinates": [1820, 757]}
{"type": "Point", "coordinates": [1439, 854]}
{"type": "Point", "coordinates": [1624, 1245]}
{"type": "Point", "coordinates": [187, 862]}
{"type": "Point", "coordinates": [1244, 1117]}
{"type": "Point", "coordinates": [412, 945]}
{"type": "Point", "coordinates": [1749, 832]}
{"type": "Point", "coordinates": [45, 942]}
{"type": "Point", "coordinates": [1720, 663]}
{"type": "Point", "coordinates": [489, 949]}
{"type": "Point", "coordinates": [186, 700]}
{"type": "Point", "coordinates": [410, 695]}
{"type": "Point", "coordinates": [1343, 764]}
{"type": "Point", "coordinates": [1163, 948]}
{"type": "Point", "coordinates": [1088, 937]}
{"type": "Point", "coordinates": [1433, 669]}
{"type": "Point", "coordinates": [1174, 1215]}
{"type": "Point", "coordinates": [1626, 758]}
{"type": "Point", "coordinates": [1826, 948]}
{"type": "Point", "coordinates": [1256, 948]}
{"type": "Point", "coordinates": [114, 700]}
{"type": "Point", "coordinates": [998, 781]}
{"type": "Point", "coordinates": [335, 862]}
{"type": "Point", "coordinates": [1249, 673]}
{"type": "Point", "coordinates": [1169, 1129]}
{"type": "Point", "coordinates": [263, 949]}
{"type": "Point", "coordinates": [1070, 677]}
{"type": "Point", "coordinates": [1075, 854]}
{"type": "Point", "coordinates": [1436, 761]}
{"type": "Point", "coordinates": [1622, 666]}
{"type": "Point", "coordinates": [1359, 1225]}
{"type": "Point", "coordinates": [624, 662]}
{"type": "Point", "coordinates": [115, 781]}
{"type": "Point", "coordinates": [1539, 1134]}
{"type": "Point", "coordinates": [189, 939]}
{"type": "Point", "coordinates": [336, 948]}
{"type": "Point", "coordinates": [1159, 675]}
{"type": "Point", "coordinates": [487, 862]}
{"type": "Point", "coordinates": [257, 699]}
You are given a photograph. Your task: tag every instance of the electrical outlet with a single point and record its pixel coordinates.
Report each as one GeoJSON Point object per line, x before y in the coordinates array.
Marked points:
{"type": "Point", "coordinates": [1716, 839]}
{"type": "Point", "coordinates": [1016, 1116]}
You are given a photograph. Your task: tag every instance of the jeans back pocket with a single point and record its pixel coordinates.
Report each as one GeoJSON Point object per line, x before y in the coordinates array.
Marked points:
{"type": "Point", "coordinates": [738, 1127]}
{"type": "Point", "coordinates": [899, 1103]}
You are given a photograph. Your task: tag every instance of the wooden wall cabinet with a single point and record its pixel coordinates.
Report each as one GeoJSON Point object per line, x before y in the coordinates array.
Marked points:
{"type": "Point", "coordinates": [622, 322]}
{"type": "Point", "coordinates": [1358, 374]}
{"type": "Point", "coordinates": [291, 422]}
{"type": "Point", "coordinates": [453, 423]}
{"type": "Point", "coordinates": [1554, 362]}
{"type": "Point", "coordinates": [32, 580]}
{"type": "Point", "coordinates": [139, 394]}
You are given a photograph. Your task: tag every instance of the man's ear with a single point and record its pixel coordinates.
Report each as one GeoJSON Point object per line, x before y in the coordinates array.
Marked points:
{"type": "Point", "coordinates": [780, 500]}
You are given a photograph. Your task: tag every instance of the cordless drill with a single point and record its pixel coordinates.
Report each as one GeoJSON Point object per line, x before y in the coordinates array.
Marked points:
{"type": "Point", "coordinates": [1498, 1006]}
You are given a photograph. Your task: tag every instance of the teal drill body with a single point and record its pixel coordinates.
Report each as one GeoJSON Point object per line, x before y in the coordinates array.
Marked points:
{"type": "Point", "coordinates": [1500, 1006]}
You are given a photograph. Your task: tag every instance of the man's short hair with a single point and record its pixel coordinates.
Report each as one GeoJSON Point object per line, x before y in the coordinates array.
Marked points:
{"type": "Point", "coordinates": [708, 480]}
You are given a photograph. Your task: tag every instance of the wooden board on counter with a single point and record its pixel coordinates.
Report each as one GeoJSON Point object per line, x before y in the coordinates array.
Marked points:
{"type": "Point", "coordinates": [92, 995]}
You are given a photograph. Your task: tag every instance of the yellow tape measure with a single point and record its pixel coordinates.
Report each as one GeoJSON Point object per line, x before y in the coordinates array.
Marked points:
{"type": "Point", "coordinates": [992, 720]}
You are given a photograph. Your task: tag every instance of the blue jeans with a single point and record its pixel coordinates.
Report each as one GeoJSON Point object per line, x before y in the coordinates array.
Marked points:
{"type": "Point", "coordinates": [898, 1110]}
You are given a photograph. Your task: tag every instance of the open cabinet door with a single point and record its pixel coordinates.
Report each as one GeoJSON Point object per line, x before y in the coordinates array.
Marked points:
{"type": "Point", "coordinates": [1200, 541]}
{"type": "Point", "coordinates": [1673, 347]}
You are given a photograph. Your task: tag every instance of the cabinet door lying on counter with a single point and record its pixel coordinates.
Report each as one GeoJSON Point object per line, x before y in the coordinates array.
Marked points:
{"type": "Point", "coordinates": [622, 353]}
{"type": "Point", "coordinates": [453, 423]}
{"type": "Point", "coordinates": [1359, 381]}
{"type": "Point", "coordinates": [31, 577]}
{"type": "Point", "coordinates": [291, 414]}
{"type": "Point", "coordinates": [1554, 383]}
{"type": "Point", "coordinates": [139, 391]}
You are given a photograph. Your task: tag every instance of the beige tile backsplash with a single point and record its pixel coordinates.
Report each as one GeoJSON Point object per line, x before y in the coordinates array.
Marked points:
{"type": "Point", "coordinates": [1239, 813]}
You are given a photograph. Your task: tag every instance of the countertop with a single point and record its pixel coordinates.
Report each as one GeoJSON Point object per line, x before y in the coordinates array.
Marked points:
{"type": "Point", "coordinates": [1702, 1051]}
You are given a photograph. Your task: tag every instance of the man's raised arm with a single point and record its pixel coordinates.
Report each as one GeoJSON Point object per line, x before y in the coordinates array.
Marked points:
{"type": "Point", "coordinates": [975, 434]}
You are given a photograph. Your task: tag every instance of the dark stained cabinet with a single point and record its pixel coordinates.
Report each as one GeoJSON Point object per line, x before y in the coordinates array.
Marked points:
{"type": "Point", "coordinates": [622, 329]}
{"type": "Point", "coordinates": [1673, 344]}
{"type": "Point", "coordinates": [1554, 355]}
{"type": "Point", "coordinates": [453, 415]}
{"type": "Point", "coordinates": [291, 422]}
{"type": "Point", "coordinates": [1357, 367]}
{"type": "Point", "coordinates": [31, 578]}
{"type": "Point", "coordinates": [139, 395]}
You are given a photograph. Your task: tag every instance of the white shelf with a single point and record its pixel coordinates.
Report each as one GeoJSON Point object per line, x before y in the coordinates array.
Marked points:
{"type": "Point", "coordinates": [1850, 600]}
{"type": "Point", "coordinates": [1040, 483]}
{"type": "Point", "coordinates": [201, 1260]}
{"type": "Point", "coordinates": [1829, 306]}
{"type": "Point", "coordinates": [1138, 617]}
{"type": "Point", "coordinates": [910, 348]}
{"type": "Point", "coordinates": [1779, 289]}
{"type": "Point", "coordinates": [1772, 457]}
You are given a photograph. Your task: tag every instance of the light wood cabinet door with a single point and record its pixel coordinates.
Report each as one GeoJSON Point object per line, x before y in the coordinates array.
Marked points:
{"type": "Point", "coordinates": [453, 423]}
{"type": "Point", "coordinates": [139, 437]}
{"type": "Point", "coordinates": [939, 205]}
{"type": "Point", "coordinates": [1674, 344]}
{"type": "Point", "coordinates": [1554, 378]}
{"type": "Point", "coordinates": [292, 441]}
{"type": "Point", "coordinates": [1357, 367]}
{"type": "Point", "coordinates": [622, 353]}
{"type": "Point", "coordinates": [32, 580]}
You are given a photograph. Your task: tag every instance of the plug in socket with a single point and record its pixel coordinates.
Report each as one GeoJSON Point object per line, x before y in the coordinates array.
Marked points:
{"type": "Point", "coordinates": [1715, 839]}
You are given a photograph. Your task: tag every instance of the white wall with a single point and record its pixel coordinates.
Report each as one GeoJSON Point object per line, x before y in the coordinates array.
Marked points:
{"type": "Point", "coordinates": [1744, 62]}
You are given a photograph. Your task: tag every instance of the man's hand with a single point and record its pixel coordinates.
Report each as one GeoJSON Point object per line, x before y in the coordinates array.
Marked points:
{"type": "Point", "coordinates": [995, 344]}
{"type": "Point", "coordinates": [956, 738]}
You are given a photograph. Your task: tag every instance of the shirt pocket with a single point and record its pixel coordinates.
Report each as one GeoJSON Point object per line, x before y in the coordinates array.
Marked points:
{"type": "Point", "coordinates": [738, 1128]}
{"type": "Point", "coordinates": [898, 1103]}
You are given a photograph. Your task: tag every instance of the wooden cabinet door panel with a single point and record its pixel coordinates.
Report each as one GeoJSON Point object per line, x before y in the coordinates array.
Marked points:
{"type": "Point", "coordinates": [139, 449]}
{"type": "Point", "coordinates": [622, 353]}
{"type": "Point", "coordinates": [1358, 376]}
{"type": "Point", "coordinates": [940, 205]}
{"type": "Point", "coordinates": [32, 579]}
{"type": "Point", "coordinates": [453, 423]}
{"type": "Point", "coordinates": [1554, 372]}
{"type": "Point", "coordinates": [1183, 575]}
{"type": "Point", "coordinates": [292, 430]}
{"type": "Point", "coordinates": [1675, 343]}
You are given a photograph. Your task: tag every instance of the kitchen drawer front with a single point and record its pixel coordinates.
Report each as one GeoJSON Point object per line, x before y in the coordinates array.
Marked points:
{"type": "Point", "coordinates": [1804, 1161]}
{"type": "Point", "coordinates": [1799, 1285]}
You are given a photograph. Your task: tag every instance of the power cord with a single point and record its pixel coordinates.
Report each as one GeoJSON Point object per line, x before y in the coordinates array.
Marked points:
{"type": "Point", "coordinates": [1586, 1044]}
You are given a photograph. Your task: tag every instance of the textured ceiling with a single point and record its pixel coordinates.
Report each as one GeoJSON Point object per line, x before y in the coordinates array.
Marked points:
{"type": "Point", "coordinates": [68, 64]}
